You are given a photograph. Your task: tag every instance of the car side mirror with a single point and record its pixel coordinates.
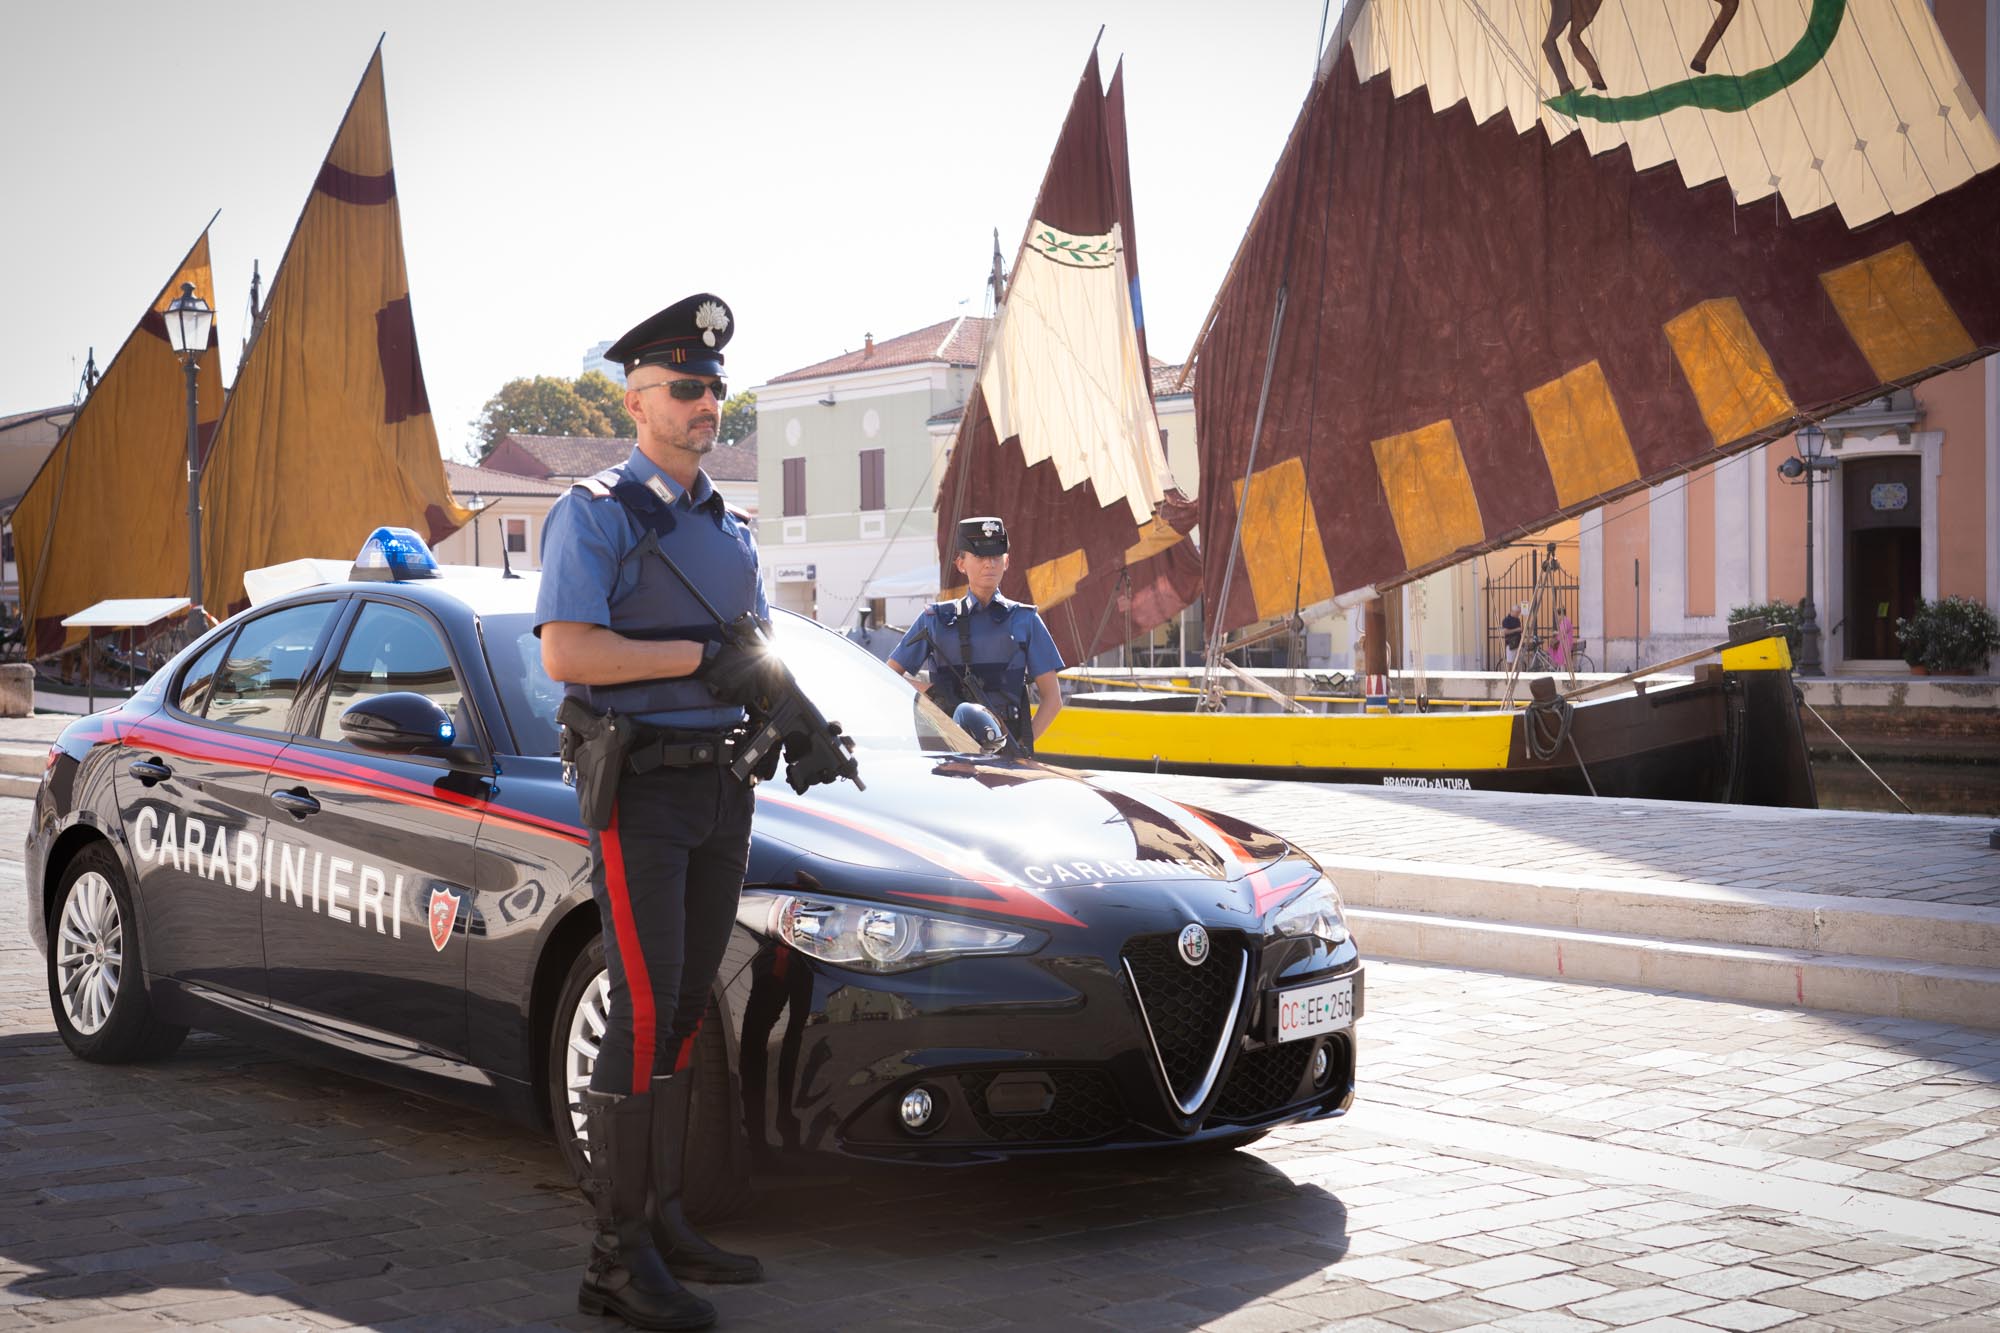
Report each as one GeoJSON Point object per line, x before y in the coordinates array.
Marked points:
{"type": "Point", "coordinates": [401, 722]}
{"type": "Point", "coordinates": [978, 722]}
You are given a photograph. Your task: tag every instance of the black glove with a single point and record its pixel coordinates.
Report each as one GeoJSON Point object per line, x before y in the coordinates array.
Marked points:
{"type": "Point", "coordinates": [748, 675]}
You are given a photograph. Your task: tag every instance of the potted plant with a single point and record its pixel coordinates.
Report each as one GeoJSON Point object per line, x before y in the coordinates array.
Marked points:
{"type": "Point", "coordinates": [1913, 633]}
{"type": "Point", "coordinates": [1951, 636]}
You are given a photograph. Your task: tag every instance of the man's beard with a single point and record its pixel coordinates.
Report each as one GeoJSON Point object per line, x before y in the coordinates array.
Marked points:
{"type": "Point", "coordinates": [697, 440]}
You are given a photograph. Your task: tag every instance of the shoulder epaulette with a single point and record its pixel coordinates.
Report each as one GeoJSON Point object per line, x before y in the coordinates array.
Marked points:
{"type": "Point", "coordinates": [601, 486]}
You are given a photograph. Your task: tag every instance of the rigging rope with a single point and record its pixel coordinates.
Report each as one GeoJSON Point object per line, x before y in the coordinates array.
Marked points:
{"type": "Point", "coordinates": [1850, 749]}
{"type": "Point", "coordinates": [1545, 729]}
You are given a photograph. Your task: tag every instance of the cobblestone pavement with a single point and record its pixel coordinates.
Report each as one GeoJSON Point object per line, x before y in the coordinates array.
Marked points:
{"type": "Point", "coordinates": [1526, 1155]}
{"type": "Point", "coordinates": [1918, 858]}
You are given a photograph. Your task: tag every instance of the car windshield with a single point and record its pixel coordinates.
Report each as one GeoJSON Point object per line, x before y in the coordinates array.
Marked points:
{"type": "Point", "coordinates": [873, 704]}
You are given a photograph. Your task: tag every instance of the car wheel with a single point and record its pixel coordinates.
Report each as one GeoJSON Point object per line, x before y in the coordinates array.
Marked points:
{"type": "Point", "coordinates": [716, 1172]}
{"type": "Point", "coordinates": [96, 986]}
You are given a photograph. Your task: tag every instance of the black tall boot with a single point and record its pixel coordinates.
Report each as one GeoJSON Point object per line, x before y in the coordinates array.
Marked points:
{"type": "Point", "coordinates": [688, 1256]}
{"type": "Point", "coordinates": [626, 1276]}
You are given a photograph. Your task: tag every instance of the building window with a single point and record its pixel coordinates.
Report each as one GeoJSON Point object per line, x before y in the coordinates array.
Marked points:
{"type": "Point", "coordinates": [515, 532]}
{"type": "Point", "coordinates": [871, 480]}
{"type": "Point", "coordinates": [795, 487]}
{"type": "Point", "coordinates": [7, 544]}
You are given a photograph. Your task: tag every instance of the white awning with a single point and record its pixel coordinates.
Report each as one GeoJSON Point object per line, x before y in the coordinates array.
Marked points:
{"type": "Point", "coordinates": [127, 612]}
{"type": "Point", "coordinates": [921, 581]}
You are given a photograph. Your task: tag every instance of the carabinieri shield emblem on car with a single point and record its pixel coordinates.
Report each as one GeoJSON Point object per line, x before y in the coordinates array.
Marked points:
{"type": "Point", "coordinates": [444, 911]}
{"type": "Point", "coordinates": [1194, 944]}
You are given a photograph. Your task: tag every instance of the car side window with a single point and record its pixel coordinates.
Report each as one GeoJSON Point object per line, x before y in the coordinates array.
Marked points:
{"type": "Point", "coordinates": [391, 650]}
{"type": "Point", "coordinates": [199, 679]}
{"type": "Point", "coordinates": [256, 683]}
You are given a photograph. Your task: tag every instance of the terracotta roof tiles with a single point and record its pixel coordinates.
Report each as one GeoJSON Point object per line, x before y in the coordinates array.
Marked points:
{"type": "Point", "coordinates": [954, 342]}
{"type": "Point", "coordinates": [493, 484]}
{"type": "Point", "coordinates": [572, 456]}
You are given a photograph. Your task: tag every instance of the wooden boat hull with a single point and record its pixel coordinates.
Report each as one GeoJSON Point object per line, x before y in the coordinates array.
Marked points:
{"type": "Point", "coordinates": [1732, 734]}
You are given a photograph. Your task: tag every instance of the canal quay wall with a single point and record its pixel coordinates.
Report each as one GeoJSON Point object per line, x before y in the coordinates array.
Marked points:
{"type": "Point", "coordinates": [1886, 915]}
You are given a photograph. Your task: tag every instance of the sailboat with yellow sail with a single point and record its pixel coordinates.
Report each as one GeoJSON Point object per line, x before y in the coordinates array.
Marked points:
{"type": "Point", "coordinates": [325, 435]}
{"type": "Point", "coordinates": [1493, 284]}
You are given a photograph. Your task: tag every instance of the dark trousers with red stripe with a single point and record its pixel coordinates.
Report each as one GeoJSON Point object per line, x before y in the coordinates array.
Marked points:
{"type": "Point", "coordinates": [666, 875]}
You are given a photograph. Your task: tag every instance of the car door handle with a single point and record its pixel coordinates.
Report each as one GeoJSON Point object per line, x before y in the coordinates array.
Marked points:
{"type": "Point", "coordinates": [297, 802]}
{"type": "Point", "coordinates": [150, 771]}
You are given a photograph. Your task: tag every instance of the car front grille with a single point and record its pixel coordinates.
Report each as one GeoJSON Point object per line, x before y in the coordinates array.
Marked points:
{"type": "Point", "coordinates": [1085, 1106]}
{"type": "Point", "coordinates": [1187, 1007]}
{"type": "Point", "coordinates": [1264, 1080]}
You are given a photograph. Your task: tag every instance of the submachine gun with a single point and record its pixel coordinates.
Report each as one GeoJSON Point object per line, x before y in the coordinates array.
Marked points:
{"type": "Point", "coordinates": [782, 718]}
{"type": "Point", "coordinates": [969, 679]}
{"type": "Point", "coordinates": [815, 749]}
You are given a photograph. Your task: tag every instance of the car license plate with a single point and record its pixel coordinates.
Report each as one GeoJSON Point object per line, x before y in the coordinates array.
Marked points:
{"type": "Point", "coordinates": [1308, 1011]}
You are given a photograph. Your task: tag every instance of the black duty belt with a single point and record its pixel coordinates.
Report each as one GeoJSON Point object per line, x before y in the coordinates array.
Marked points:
{"type": "Point", "coordinates": [680, 749]}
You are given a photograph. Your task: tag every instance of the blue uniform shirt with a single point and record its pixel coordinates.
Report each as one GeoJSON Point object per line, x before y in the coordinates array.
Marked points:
{"type": "Point", "coordinates": [586, 572]}
{"type": "Point", "coordinates": [1002, 631]}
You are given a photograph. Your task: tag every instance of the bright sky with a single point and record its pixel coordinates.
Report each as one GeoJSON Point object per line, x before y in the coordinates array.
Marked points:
{"type": "Point", "coordinates": [831, 169]}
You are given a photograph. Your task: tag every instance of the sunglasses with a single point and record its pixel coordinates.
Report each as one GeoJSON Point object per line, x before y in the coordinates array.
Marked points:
{"type": "Point", "coordinates": [688, 391]}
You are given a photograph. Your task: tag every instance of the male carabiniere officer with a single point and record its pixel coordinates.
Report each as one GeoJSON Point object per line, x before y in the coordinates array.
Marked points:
{"type": "Point", "coordinates": [982, 644]}
{"type": "Point", "coordinates": [627, 638]}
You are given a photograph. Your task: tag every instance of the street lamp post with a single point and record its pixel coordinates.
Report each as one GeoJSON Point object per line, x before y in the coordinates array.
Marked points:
{"type": "Point", "coordinates": [188, 319]}
{"type": "Point", "coordinates": [475, 502]}
{"type": "Point", "coordinates": [1811, 460]}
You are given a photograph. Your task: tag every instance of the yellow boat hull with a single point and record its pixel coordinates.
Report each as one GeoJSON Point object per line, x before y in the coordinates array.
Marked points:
{"type": "Point", "coordinates": [1730, 734]}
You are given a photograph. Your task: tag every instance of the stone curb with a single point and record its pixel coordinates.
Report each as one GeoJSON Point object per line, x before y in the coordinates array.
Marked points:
{"type": "Point", "coordinates": [1823, 924]}
{"type": "Point", "coordinates": [1793, 978]}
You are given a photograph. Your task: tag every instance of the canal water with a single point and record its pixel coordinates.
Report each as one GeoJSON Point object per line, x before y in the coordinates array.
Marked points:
{"type": "Point", "coordinates": [1929, 788]}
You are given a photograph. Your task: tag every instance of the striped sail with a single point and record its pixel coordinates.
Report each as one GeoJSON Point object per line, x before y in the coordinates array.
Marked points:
{"type": "Point", "coordinates": [1520, 257]}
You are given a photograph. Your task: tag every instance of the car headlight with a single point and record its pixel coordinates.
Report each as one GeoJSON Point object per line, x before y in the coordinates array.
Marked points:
{"type": "Point", "coordinates": [1315, 912]}
{"type": "Point", "coordinates": [870, 937]}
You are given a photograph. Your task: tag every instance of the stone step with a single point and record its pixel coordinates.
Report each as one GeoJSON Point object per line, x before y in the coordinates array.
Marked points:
{"type": "Point", "coordinates": [25, 759]}
{"type": "Point", "coordinates": [15, 785]}
{"type": "Point", "coordinates": [1941, 933]}
{"type": "Point", "coordinates": [1793, 978]}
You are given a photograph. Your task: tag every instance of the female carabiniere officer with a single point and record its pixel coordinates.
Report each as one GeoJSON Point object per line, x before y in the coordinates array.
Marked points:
{"type": "Point", "coordinates": [624, 636]}
{"type": "Point", "coordinates": [983, 637]}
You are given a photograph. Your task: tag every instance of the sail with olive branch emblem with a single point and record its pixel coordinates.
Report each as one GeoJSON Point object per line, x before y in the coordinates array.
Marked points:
{"type": "Point", "coordinates": [1520, 257]}
{"type": "Point", "coordinates": [1058, 436]}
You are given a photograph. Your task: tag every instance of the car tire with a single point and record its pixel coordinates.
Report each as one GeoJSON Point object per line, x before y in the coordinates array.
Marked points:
{"type": "Point", "coordinates": [97, 988]}
{"type": "Point", "coordinates": [716, 1174]}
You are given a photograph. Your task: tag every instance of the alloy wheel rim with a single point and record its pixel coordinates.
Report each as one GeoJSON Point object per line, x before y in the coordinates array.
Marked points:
{"type": "Point", "coordinates": [586, 1033]}
{"type": "Point", "coordinates": [90, 953]}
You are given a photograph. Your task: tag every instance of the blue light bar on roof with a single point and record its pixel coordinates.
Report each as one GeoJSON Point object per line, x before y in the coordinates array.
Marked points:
{"type": "Point", "coordinates": [394, 555]}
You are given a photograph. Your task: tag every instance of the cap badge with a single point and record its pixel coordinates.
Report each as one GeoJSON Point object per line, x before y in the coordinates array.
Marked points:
{"type": "Point", "coordinates": [989, 528]}
{"type": "Point", "coordinates": [711, 319]}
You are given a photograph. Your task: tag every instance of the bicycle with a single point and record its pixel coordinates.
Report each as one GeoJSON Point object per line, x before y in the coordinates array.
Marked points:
{"type": "Point", "coordinates": [1535, 659]}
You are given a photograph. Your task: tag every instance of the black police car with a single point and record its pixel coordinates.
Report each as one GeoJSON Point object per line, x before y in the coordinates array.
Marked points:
{"type": "Point", "coordinates": [973, 958]}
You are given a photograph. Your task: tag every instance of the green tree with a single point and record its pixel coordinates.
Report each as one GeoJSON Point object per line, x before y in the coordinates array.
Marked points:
{"type": "Point", "coordinates": [542, 405]}
{"type": "Point", "coordinates": [608, 397]}
{"type": "Point", "coordinates": [739, 418]}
